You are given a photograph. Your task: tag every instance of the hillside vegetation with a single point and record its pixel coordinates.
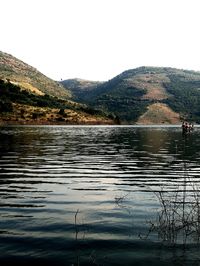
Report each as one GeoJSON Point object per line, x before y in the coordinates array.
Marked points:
{"type": "Point", "coordinates": [29, 78]}
{"type": "Point", "coordinates": [148, 95]}
{"type": "Point", "coordinates": [29, 97]}
{"type": "Point", "coordinates": [18, 106]}
{"type": "Point", "coordinates": [134, 93]}
{"type": "Point", "coordinates": [79, 87]}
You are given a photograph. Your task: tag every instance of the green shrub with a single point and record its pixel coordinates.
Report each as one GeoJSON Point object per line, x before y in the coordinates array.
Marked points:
{"type": "Point", "coordinates": [5, 106]}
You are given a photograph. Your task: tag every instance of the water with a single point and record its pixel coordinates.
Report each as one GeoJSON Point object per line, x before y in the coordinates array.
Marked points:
{"type": "Point", "coordinates": [86, 195]}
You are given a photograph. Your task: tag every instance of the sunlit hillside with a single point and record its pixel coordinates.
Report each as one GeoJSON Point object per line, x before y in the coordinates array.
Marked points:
{"type": "Point", "coordinates": [131, 94]}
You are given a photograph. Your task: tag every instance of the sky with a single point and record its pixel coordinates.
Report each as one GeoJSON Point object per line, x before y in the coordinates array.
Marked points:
{"type": "Point", "coordinates": [99, 39]}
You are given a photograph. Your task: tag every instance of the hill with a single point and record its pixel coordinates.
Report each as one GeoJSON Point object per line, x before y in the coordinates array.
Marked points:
{"type": "Point", "coordinates": [80, 87]}
{"type": "Point", "coordinates": [29, 97]}
{"type": "Point", "coordinates": [19, 106]}
{"type": "Point", "coordinates": [132, 95]}
{"type": "Point", "coordinates": [29, 78]}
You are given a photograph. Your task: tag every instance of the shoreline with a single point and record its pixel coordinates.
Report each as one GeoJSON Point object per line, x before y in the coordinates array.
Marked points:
{"type": "Point", "coordinates": [93, 125]}
{"type": "Point", "coordinates": [53, 124]}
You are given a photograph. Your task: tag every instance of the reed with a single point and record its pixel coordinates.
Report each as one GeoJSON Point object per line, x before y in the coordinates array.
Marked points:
{"type": "Point", "coordinates": [178, 219]}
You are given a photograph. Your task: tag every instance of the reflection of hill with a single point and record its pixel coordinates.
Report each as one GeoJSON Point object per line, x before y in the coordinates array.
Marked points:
{"type": "Point", "coordinates": [154, 140]}
{"type": "Point", "coordinates": [144, 146]}
{"type": "Point", "coordinates": [148, 145]}
{"type": "Point", "coordinates": [26, 142]}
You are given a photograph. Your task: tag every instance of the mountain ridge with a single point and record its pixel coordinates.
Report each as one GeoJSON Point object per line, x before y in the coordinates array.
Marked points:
{"type": "Point", "coordinates": [134, 96]}
{"type": "Point", "coordinates": [130, 94]}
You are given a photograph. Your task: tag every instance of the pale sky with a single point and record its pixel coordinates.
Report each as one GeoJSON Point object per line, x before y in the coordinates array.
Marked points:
{"type": "Point", "coordinates": [99, 39]}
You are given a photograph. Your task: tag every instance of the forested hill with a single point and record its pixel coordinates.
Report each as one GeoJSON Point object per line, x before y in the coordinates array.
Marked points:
{"type": "Point", "coordinates": [146, 95]}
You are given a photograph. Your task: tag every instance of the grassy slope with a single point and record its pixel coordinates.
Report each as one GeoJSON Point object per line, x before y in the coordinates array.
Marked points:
{"type": "Point", "coordinates": [22, 107]}
{"type": "Point", "coordinates": [159, 113]}
{"type": "Point", "coordinates": [33, 115]}
{"type": "Point", "coordinates": [29, 78]}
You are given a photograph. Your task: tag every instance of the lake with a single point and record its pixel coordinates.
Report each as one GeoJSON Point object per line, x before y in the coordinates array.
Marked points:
{"type": "Point", "coordinates": [99, 195]}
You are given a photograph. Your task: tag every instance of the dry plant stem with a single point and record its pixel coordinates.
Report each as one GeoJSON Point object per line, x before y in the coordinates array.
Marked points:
{"type": "Point", "coordinates": [120, 199]}
{"type": "Point", "coordinates": [76, 237]}
{"type": "Point", "coordinates": [76, 226]}
{"type": "Point", "coordinates": [179, 217]}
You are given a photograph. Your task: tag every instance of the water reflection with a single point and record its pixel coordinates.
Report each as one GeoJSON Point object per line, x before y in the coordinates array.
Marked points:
{"type": "Point", "coordinates": [48, 173]}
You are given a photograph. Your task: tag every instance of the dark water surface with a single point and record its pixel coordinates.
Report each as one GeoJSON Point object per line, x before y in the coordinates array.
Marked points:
{"type": "Point", "coordinates": [85, 195]}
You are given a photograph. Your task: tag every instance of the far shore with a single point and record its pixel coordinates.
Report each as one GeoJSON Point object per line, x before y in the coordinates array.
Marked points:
{"type": "Point", "coordinates": [39, 123]}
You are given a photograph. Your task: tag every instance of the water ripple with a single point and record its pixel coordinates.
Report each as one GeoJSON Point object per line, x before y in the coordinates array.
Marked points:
{"type": "Point", "coordinates": [48, 174]}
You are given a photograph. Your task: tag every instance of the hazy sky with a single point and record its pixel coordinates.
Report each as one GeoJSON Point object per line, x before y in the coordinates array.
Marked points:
{"type": "Point", "coordinates": [98, 39]}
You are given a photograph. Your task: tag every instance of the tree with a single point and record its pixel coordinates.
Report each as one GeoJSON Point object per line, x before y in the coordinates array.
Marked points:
{"type": "Point", "coordinates": [61, 111]}
{"type": "Point", "coordinates": [5, 106]}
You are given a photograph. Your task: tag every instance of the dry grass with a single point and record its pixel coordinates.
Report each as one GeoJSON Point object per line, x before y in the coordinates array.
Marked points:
{"type": "Point", "coordinates": [159, 113]}
{"type": "Point", "coordinates": [19, 72]}
{"type": "Point", "coordinates": [26, 114]}
{"type": "Point", "coordinates": [178, 220]}
{"type": "Point", "coordinates": [27, 86]}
